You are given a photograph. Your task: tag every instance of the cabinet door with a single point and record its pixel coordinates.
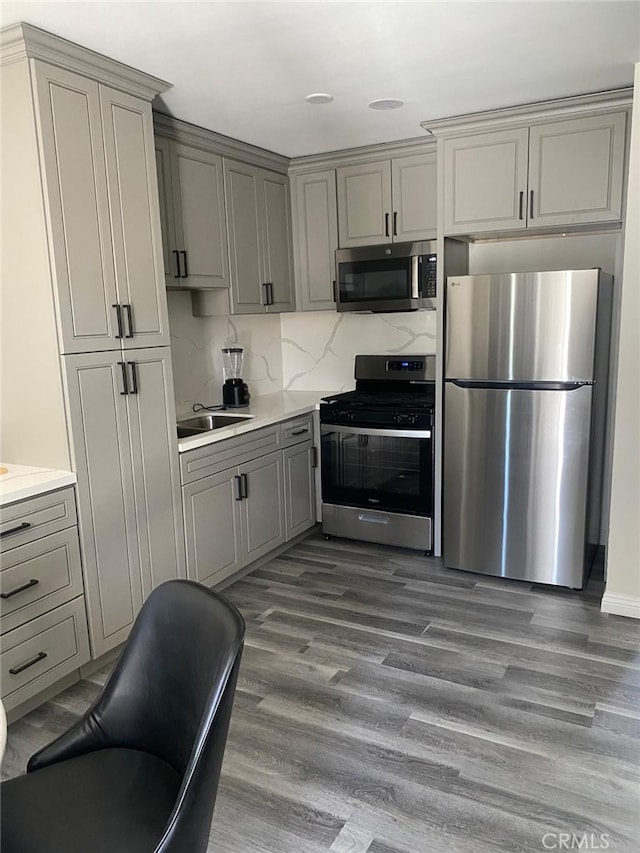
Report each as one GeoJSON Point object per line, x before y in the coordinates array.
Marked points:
{"type": "Point", "coordinates": [156, 478]}
{"type": "Point", "coordinates": [315, 238]}
{"type": "Point", "coordinates": [242, 193]}
{"type": "Point", "coordinates": [299, 489]}
{"type": "Point", "coordinates": [135, 217]}
{"type": "Point", "coordinates": [77, 208]}
{"type": "Point", "coordinates": [212, 527]}
{"type": "Point", "coordinates": [276, 246]}
{"type": "Point", "coordinates": [167, 217]}
{"type": "Point", "coordinates": [99, 428]}
{"type": "Point", "coordinates": [575, 170]}
{"type": "Point", "coordinates": [414, 190]}
{"type": "Point", "coordinates": [262, 510]}
{"type": "Point", "coordinates": [485, 182]}
{"type": "Point", "coordinates": [364, 204]}
{"type": "Point", "coordinates": [198, 197]}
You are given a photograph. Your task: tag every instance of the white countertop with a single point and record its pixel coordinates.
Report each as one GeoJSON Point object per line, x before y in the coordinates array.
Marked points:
{"type": "Point", "coordinates": [267, 410]}
{"type": "Point", "coordinates": [23, 481]}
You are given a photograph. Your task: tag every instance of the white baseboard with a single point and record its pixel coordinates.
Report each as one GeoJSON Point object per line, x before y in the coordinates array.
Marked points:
{"type": "Point", "coordinates": [620, 605]}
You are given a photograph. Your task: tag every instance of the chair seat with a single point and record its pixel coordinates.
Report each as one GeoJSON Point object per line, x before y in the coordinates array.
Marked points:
{"type": "Point", "coordinates": [109, 801]}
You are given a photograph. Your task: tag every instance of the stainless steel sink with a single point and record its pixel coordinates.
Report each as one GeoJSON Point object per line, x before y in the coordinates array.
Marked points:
{"type": "Point", "coordinates": [205, 423]}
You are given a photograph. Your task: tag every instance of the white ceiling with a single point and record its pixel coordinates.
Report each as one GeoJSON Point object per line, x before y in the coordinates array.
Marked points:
{"type": "Point", "coordinates": [244, 68]}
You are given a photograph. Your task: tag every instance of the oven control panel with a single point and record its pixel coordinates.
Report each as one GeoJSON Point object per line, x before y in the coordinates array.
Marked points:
{"type": "Point", "coordinates": [400, 365]}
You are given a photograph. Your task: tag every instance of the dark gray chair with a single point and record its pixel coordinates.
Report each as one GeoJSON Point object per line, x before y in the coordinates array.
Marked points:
{"type": "Point", "coordinates": [138, 773]}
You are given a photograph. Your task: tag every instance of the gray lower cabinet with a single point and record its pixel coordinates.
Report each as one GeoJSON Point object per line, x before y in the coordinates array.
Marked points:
{"type": "Point", "coordinates": [233, 518]}
{"type": "Point", "coordinates": [125, 455]}
{"type": "Point", "coordinates": [245, 496]}
{"type": "Point", "coordinates": [43, 619]}
{"type": "Point", "coordinates": [259, 230]}
{"type": "Point", "coordinates": [299, 489]}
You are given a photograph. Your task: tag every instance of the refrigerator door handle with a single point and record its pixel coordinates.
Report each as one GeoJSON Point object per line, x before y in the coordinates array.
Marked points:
{"type": "Point", "coordinates": [517, 385]}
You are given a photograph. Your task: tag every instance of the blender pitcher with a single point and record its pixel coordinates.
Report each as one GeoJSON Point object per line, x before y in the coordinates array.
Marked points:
{"type": "Point", "coordinates": [235, 392]}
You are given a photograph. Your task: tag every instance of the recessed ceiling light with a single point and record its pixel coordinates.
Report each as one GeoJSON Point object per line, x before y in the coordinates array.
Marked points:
{"type": "Point", "coordinates": [386, 104]}
{"type": "Point", "coordinates": [319, 98]}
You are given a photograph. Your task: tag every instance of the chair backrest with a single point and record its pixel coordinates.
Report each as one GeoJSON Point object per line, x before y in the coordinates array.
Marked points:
{"type": "Point", "coordinates": [171, 694]}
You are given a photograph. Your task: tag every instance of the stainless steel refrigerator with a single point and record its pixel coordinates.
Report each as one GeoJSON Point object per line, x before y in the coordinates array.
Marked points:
{"type": "Point", "coordinates": [526, 364]}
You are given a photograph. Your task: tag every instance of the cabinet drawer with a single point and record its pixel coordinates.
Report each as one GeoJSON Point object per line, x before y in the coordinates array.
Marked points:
{"type": "Point", "coordinates": [297, 430]}
{"type": "Point", "coordinates": [39, 576]}
{"type": "Point", "coordinates": [32, 518]}
{"type": "Point", "coordinates": [44, 650]}
{"type": "Point", "coordinates": [216, 457]}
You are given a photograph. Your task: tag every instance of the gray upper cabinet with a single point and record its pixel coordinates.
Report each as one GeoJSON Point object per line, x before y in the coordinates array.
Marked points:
{"type": "Point", "coordinates": [135, 227]}
{"type": "Point", "coordinates": [414, 195]}
{"type": "Point", "coordinates": [315, 238]}
{"type": "Point", "coordinates": [128, 483]}
{"type": "Point", "coordinates": [259, 229]}
{"type": "Point", "coordinates": [193, 215]}
{"type": "Point", "coordinates": [576, 170]}
{"type": "Point", "coordinates": [561, 173]}
{"type": "Point", "coordinates": [387, 201]}
{"type": "Point", "coordinates": [96, 148]}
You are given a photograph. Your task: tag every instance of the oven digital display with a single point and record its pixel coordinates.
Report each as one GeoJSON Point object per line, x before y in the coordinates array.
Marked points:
{"type": "Point", "coordinates": [404, 366]}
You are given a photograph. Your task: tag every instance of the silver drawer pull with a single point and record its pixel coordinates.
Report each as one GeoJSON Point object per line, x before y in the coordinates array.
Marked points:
{"type": "Point", "coordinates": [18, 669]}
{"type": "Point", "coordinates": [299, 431]}
{"type": "Point", "coordinates": [374, 519]}
{"type": "Point", "coordinates": [28, 585]}
{"type": "Point", "coordinates": [24, 526]}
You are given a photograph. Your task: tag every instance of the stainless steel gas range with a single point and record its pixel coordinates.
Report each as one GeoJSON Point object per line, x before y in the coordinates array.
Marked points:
{"type": "Point", "coordinates": [378, 453]}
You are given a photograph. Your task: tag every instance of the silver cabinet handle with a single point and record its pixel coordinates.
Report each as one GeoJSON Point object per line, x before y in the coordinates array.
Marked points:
{"type": "Point", "coordinates": [125, 384]}
{"type": "Point", "coordinates": [134, 377]}
{"type": "Point", "coordinates": [25, 586]}
{"type": "Point", "coordinates": [18, 669]}
{"type": "Point", "coordinates": [127, 311]}
{"type": "Point", "coordinates": [118, 319]}
{"type": "Point", "coordinates": [24, 526]}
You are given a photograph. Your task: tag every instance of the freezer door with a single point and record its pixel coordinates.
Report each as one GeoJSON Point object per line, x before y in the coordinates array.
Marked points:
{"type": "Point", "coordinates": [525, 327]}
{"type": "Point", "coordinates": [515, 482]}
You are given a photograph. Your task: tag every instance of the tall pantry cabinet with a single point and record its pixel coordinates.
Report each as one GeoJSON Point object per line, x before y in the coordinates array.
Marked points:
{"type": "Point", "coordinates": [86, 362]}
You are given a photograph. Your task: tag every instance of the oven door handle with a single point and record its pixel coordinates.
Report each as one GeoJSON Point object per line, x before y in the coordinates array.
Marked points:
{"type": "Point", "coordinates": [325, 429]}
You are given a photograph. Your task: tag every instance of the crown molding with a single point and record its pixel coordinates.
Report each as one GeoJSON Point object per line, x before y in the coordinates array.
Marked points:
{"type": "Point", "coordinates": [363, 154]}
{"type": "Point", "coordinates": [534, 113]}
{"type": "Point", "coordinates": [190, 134]}
{"type": "Point", "coordinates": [24, 41]}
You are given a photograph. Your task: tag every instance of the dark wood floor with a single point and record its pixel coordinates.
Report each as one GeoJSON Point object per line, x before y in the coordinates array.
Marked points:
{"type": "Point", "coordinates": [388, 705]}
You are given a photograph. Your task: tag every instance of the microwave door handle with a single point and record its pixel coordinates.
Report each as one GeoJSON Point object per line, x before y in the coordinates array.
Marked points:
{"type": "Point", "coordinates": [415, 267]}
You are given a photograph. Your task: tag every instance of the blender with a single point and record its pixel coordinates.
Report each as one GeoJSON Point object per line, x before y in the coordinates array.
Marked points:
{"type": "Point", "coordinates": [235, 393]}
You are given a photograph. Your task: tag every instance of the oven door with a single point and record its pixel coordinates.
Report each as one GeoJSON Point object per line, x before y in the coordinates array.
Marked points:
{"type": "Point", "coordinates": [385, 469]}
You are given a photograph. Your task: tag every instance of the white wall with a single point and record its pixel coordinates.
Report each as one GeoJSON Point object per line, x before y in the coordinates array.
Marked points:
{"type": "Point", "coordinates": [622, 593]}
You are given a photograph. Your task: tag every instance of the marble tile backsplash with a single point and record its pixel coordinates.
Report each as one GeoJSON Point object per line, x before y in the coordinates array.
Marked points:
{"type": "Point", "coordinates": [196, 344]}
{"type": "Point", "coordinates": [319, 347]}
{"type": "Point", "coordinates": [302, 351]}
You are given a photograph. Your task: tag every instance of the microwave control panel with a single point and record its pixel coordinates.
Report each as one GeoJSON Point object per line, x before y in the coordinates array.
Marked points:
{"type": "Point", "coordinates": [429, 276]}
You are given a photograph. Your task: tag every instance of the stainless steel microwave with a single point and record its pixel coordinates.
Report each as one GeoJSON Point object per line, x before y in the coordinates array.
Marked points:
{"type": "Point", "coordinates": [398, 277]}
